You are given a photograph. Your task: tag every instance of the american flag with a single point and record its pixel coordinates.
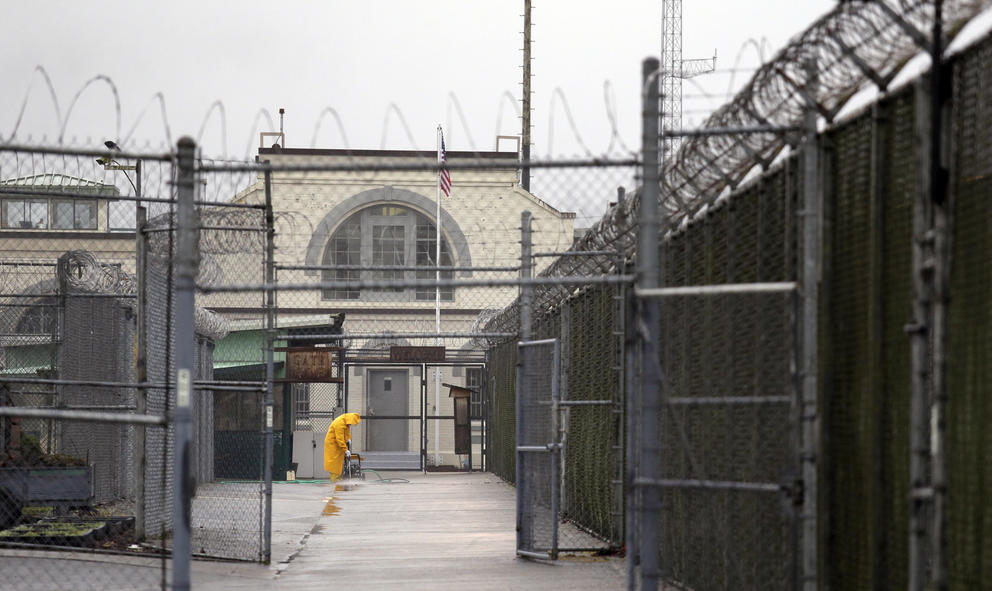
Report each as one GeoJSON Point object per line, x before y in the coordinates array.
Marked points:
{"type": "Point", "coordinates": [445, 177]}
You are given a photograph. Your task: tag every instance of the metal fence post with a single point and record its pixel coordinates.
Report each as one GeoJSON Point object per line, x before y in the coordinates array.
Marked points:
{"type": "Point", "coordinates": [919, 346]}
{"type": "Point", "coordinates": [187, 252]}
{"type": "Point", "coordinates": [620, 402]}
{"type": "Point", "coordinates": [270, 309]}
{"type": "Point", "coordinates": [631, 378]}
{"type": "Point", "coordinates": [526, 268]}
{"type": "Point", "coordinates": [561, 415]}
{"type": "Point", "coordinates": [940, 91]}
{"type": "Point", "coordinates": [141, 367]}
{"type": "Point", "coordinates": [649, 326]}
{"type": "Point", "coordinates": [810, 318]}
{"type": "Point", "coordinates": [525, 294]}
{"type": "Point", "coordinates": [556, 455]}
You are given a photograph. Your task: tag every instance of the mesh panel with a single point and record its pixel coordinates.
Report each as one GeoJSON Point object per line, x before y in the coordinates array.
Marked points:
{"type": "Point", "coordinates": [851, 441]}
{"type": "Point", "coordinates": [727, 424]}
{"type": "Point", "coordinates": [590, 434]}
{"type": "Point", "coordinates": [865, 351]}
{"type": "Point", "coordinates": [969, 408]}
{"type": "Point", "coordinates": [502, 411]}
{"type": "Point", "coordinates": [894, 366]}
{"type": "Point", "coordinates": [68, 284]}
{"type": "Point", "coordinates": [536, 516]}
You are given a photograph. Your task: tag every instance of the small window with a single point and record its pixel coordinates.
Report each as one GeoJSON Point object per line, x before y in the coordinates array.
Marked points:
{"type": "Point", "coordinates": [85, 215]}
{"type": "Point", "coordinates": [301, 406]}
{"type": "Point", "coordinates": [426, 254]}
{"type": "Point", "coordinates": [473, 380]}
{"type": "Point", "coordinates": [390, 211]}
{"type": "Point", "coordinates": [64, 216]}
{"type": "Point", "coordinates": [25, 213]}
{"type": "Point", "coordinates": [387, 384]}
{"type": "Point", "coordinates": [74, 214]}
{"type": "Point", "coordinates": [388, 249]}
{"type": "Point", "coordinates": [301, 393]}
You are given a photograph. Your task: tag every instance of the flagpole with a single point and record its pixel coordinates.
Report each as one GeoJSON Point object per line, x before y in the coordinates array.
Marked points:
{"type": "Point", "coordinates": [437, 306]}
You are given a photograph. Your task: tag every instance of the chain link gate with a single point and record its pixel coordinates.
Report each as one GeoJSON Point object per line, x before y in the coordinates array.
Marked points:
{"type": "Point", "coordinates": [538, 451]}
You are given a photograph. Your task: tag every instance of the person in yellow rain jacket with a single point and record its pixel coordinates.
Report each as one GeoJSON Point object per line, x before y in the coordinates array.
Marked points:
{"type": "Point", "coordinates": [336, 443]}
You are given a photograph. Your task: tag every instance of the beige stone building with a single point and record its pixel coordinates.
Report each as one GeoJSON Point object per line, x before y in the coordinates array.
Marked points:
{"type": "Point", "coordinates": [367, 213]}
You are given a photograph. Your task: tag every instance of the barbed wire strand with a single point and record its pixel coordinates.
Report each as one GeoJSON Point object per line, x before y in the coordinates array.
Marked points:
{"type": "Point", "coordinates": [337, 118]}
{"type": "Point", "coordinates": [453, 100]}
{"type": "Point", "coordinates": [165, 119]}
{"type": "Point", "coordinates": [27, 94]}
{"type": "Point", "coordinates": [222, 113]}
{"type": "Point", "coordinates": [79, 93]}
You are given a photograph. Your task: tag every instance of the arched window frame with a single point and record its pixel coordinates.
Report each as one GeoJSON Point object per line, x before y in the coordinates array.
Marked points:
{"type": "Point", "coordinates": [386, 234]}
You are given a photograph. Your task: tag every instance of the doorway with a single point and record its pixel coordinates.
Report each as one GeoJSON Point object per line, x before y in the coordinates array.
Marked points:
{"type": "Point", "coordinates": [388, 396]}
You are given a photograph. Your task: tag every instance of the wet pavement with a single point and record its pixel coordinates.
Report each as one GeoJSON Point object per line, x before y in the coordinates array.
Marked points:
{"type": "Point", "coordinates": [404, 530]}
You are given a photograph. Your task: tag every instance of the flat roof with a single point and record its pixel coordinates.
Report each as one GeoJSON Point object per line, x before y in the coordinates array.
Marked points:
{"type": "Point", "coordinates": [385, 153]}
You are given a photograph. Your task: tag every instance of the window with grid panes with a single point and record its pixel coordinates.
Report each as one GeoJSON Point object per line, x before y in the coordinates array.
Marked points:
{"type": "Point", "coordinates": [25, 213]}
{"type": "Point", "coordinates": [385, 236]}
{"type": "Point", "coordinates": [74, 214]}
{"type": "Point", "coordinates": [473, 381]}
{"type": "Point", "coordinates": [301, 396]}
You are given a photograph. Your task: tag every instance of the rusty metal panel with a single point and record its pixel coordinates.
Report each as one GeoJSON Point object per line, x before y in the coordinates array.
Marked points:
{"type": "Point", "coordinates": [416, 354]}
{"type": "Point", "coordinates": [311, 364]}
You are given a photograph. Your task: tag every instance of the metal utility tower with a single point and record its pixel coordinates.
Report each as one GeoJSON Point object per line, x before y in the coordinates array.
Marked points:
{"type": "Point", "coordinates": [525, 123]}
{"type": "Point", "coordinates": [674, 69]}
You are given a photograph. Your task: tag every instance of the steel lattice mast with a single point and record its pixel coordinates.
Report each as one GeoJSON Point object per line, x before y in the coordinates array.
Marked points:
{"type": "Point", "coordinates": [674, 69]}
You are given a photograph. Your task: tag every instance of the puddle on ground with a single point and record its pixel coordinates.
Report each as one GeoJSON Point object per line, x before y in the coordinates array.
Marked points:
{"type": "Point", "coordinates": [330, 508]}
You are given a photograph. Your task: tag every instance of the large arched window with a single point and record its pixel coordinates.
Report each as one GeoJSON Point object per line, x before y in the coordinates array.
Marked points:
{"type": "Point", "coordinates": [380, 236]}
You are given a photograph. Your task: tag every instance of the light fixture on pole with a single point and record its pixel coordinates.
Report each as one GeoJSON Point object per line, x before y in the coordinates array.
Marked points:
{"type": "Point", "coordinates": [109, 163]}
{"type": "Point", "coordinates": [141, 337]}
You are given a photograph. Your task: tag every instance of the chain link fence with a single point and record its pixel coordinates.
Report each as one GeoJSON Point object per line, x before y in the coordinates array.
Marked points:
{"type": "Point", "coordinates": [969, 354]}
{"type": "Point", "coordinates": [729, 441]}
{"type": "Point", "coordinates": [579, 301]}
{"type": "Point", "coordinates": [733, 444]}
{"type": "Point", "coordinates": [89, 364]}
{"type": "Point", "coordinates": [356, 267]}
{"type": "Point", "coordinates": [538, 459]}
{"type": "Point", "coordinates": [85, 459]}
{"type": "Point", "coordinates": [817, 418]}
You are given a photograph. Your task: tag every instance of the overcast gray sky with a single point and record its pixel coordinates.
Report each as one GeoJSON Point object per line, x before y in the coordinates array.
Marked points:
{"type": "Point", "coordinates": [358, 58]}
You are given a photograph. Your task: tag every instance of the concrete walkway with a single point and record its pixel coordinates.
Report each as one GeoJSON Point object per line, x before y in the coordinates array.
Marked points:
{"type": "Point", "coordinates": [412, 531]}
{"type": "Point", "coordinates": [436, 531]}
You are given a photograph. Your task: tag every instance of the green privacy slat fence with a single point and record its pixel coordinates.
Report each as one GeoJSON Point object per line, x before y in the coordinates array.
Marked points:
{"type": "Point", "coordinates": [969, 406]}
{"type": "Point", "coordinates": [590, 496]}
{"type": "Point", "coordinates": [731, 347]}
{"type": "Point", "coordinates": [502, 410]}
{"type": "Point", "coordinates": [870, 179]}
